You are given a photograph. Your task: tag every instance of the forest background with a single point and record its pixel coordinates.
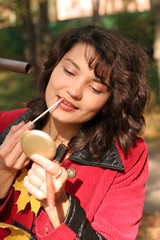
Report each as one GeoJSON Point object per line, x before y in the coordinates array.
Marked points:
{"type": "Point", "coordinates": [29, 39]}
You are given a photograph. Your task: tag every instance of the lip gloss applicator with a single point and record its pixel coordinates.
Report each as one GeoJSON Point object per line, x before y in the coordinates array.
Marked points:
{"type": "Point", "coordinates": [39, 142]}
{"type": "Point", "coordinates": [42, 114]}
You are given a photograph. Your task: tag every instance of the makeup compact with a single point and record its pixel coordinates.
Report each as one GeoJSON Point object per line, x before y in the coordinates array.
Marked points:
{"type": "Point", "coordinates": [38, 142]}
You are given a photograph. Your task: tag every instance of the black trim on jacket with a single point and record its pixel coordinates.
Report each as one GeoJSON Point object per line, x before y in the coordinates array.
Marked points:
{"type": "Point", "coordinates": [77, 222]}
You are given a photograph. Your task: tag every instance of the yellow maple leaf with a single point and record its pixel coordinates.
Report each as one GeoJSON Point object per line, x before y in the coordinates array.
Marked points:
{"type": "Point", "coordinates": [16, 233]}
{"type": "Point", "coordinates": [24, 198]}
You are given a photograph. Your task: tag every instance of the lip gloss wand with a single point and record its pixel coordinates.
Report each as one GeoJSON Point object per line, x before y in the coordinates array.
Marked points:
{"type": "Point", "coordinates": [42, 114]}
{"type": "Point", "coordinates": [36, 141]}
{"type": "Point", "coordinates": [49, 183]}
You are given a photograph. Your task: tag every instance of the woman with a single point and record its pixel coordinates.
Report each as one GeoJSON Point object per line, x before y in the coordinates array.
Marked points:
{"type": "Point", "coordinates": [99, 186]}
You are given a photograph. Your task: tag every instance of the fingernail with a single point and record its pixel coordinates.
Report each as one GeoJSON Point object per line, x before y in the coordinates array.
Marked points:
{"type": "Point", "coordinates": [30, 125]}
{"type": "Point", "coordinates": [34, 157]}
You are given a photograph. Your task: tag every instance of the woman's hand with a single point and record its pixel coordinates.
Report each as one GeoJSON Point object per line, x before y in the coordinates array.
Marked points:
{"type": "Point", "coordinates": [12, 157]}
{"type": "Point", "coordinates": [35, 183]}
{"type": "Point", "coordinates": [11, 154]}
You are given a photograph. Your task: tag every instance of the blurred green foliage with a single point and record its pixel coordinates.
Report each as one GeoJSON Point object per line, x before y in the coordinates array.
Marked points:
{"type": "Point", "coordinates": [136, 25]}
{"type": "Point", "coordinates": [59, 27]}
{"type": "Point", "coordinates": [11, 43]}
{"type": "Point", "coordinates": [15, 90]}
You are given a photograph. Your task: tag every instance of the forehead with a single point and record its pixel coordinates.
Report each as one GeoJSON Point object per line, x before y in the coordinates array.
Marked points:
{"type": "Point", "coordinates": [81, 49]}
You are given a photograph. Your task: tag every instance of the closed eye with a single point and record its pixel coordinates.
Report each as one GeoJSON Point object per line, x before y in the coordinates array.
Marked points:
{"type": "Point", "coordinates": [95, 90]}
{"type": "Point", "coordinates": [68, 72]}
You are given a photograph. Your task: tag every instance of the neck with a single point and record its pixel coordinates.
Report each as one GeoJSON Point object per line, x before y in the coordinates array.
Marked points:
{"type": "Point", "coordinates": [60, 133]}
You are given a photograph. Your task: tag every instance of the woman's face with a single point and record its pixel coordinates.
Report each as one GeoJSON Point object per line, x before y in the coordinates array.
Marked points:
{"type": "Point", "coordinates": [83, 93]}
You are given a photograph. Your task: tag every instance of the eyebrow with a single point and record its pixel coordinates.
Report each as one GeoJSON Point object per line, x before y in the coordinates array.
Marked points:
{"type": "Point", "coordinates": [75, 64]}
{"type": "Point", "coordinates": [99, 81]}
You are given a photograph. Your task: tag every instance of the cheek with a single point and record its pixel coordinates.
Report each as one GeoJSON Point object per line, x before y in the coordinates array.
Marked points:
{"type": "Point", "coordinates": [95, 104]}
{"type": "Point", "coordinates": [51, 84]}
{"type": "Point", "coordinates": [56, 81]}
{"type": "Point", "coordinates": [48, 89]}
{"type": "Point", "coordinates": [56, 75]}
{"type": "Point", "coordinates": [49, 94]}
{"type": "Point", "coordinates": [91, 110]}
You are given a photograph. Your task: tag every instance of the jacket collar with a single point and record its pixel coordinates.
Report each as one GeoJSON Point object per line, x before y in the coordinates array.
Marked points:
{"type": "Point", "coordinates": [22, 117]}
{"type": "Point", "coordinates": [110, 160]}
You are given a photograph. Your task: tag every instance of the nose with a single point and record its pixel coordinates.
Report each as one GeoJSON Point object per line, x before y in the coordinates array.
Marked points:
{"type": "Point", "coordinates": [75, 91]}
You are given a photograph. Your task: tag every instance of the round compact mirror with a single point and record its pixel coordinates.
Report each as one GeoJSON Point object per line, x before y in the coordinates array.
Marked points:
{"type": "Point", "coordinates": [38, 142]}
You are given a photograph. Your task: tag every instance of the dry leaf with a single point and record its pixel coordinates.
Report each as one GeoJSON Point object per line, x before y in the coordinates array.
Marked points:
{"type": "Point", "coordinates": [16, 233]}
{"type": "Point", "coordinates": [24, 198]}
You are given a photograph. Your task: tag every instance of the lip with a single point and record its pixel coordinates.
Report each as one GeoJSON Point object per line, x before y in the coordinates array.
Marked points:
{"type": "Point", "coordinates": [67, 105]}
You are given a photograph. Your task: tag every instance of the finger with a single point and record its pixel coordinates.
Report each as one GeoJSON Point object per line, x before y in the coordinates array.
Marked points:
{"type": "Point", "coordinates": [36, 192]}
{"type": "Point", "coordinates": [17, 150]}
{"type": "Point", "coordinates": [13, 137]}
{"type": "Point", "coordinates": [15, 131]}
{"type": "Point", "coordinates": [48, 165]}
{"type": "Point", "coordinates": [8, 144]}
{"type": "Point", "coordinates": [17, 163]}
{"type": "Point", "coordinates": [60, 181]}
{"type": "Point", "coordinates": [39, 171]}
{"type": "Point", "coordinates": [15, 128]}
{"type": "Point", "coordinates": [21, 162]}
{"type": "Point", "coordinates": [16, 157]}
{"type": "Point", "coordinates": [15, 154]}
{"type": "Point", "coordinates": [26, 162]}
{"type": "Point", "coordinates": [34, 179]}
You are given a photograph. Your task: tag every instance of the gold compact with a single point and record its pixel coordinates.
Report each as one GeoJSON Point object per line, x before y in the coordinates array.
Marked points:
{"type": "Point", "coordinates": [38, 142]}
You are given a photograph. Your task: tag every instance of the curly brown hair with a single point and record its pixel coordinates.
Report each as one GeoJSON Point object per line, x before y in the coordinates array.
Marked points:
{"type": "Point", "coordinates": [122, 118]}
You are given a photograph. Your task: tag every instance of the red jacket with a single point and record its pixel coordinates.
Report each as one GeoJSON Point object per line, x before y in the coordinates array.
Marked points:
{"type": "Point", "coordinates": [111, 197]}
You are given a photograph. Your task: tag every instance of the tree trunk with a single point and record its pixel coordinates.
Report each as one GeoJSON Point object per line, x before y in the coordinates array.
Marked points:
{"type": "Point", "coordinates": [29, 35]}
{"type": "Point", "coordinates": [156, 47]}
{"type": "Point", "coordinates": [95, 7]}
{"type": "Point", "coordinates": [44, 29]}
